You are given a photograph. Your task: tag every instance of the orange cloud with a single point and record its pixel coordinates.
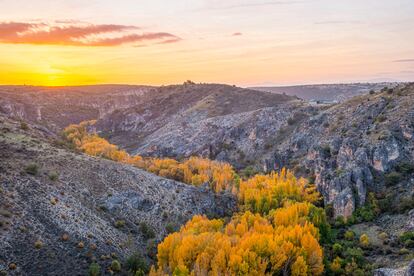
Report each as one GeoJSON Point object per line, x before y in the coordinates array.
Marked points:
{"type": "Point", "coordinates": [77, 34]}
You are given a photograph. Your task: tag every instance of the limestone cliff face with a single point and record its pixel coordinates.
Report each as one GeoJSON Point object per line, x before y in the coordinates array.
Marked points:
{"type": "Point", "coordinates": [348, 145]}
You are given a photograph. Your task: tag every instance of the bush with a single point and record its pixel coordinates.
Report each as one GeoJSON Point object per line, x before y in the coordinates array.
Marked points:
{"type": "Point", "coordinates": [364, 214]}
{"type": "Point", "coordinates": [392, 178]}
{"type": "Point", "coordinates": [405, 168]}
{"type": "Point", "coordinates": [53, 176]}
{"type": "Point", "coordinates": [381, 118]}
{"type": "Point", "coordinates": [326, 151]}
{"type": "Point", "coordinates": [354, 253]}
{"type": "Point", "coordinates": [24, 126]}
{"type": "Point", "coordinates": [371, 92]}
{"type": "Point", "coordinates": [336, 265]}
{"type": "Point", "coordinates": [94, 269]}
{"type": "Point", "coordinates": [136, 263]}
{"type": "Point", "coordinates": [349, 235]}
{"type": "Point", "coordinates": [337, 249]}
{"type": "Point", "coordinates": [403, 251]}
{"type": "Point", "coordinates": [406, 236]}
{"type": "Point", "coordinates": [364, 241]}
{"type": "Point", "coordinates": [248, 172]}
{"type": "Point", "coordinates": [170, 228]}
{"type": "Point", "coordinates": [32, 169]}
{"type": "Point", "coordinates": [383, 236]}
{"type": "Point", "coordinates": [146, 231]}
{"type": "Point", "coordinates": [119, 223]}
{"type": "Point", "coordinates": [38, 244]}
{"type": "Point", "coordinates": [116, 266]}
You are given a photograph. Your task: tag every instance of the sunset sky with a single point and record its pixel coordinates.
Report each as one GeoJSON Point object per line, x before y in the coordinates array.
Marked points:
{"type": "Point", "coordinates": [244, 42]}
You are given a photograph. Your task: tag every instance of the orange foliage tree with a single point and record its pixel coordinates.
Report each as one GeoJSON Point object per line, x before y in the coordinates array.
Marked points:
{"type": "Point", "coordinates": [279, 237]}
{"type": "Point", "coordinates": [262, 193]}
{"type": "Point", "coordinates": [248, 245]}
{"type": "Point", "coordinates": [196, 171]}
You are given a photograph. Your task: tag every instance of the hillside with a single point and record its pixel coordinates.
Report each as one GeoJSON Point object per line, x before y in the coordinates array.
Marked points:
{"type": "Point", "coordinates": [359, 154]}
{"type": "Point", "coordinates": [57, 107]}
{"type": "Point", "coordinates": [61, 210]}
{"type": "Point", "coordinates": [326, 92]}
{"type": "Point", "coordinates": [348, 148]}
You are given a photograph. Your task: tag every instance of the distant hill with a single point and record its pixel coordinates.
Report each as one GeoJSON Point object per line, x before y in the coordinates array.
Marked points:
{"type": "Point", "coordinates": [327, 92]}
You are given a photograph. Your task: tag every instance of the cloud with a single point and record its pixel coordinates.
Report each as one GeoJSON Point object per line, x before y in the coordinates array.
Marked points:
{"type": "Point", "coordinates": [404, 60]}
{"type": "Point", "coordinates": [237, 34]}
{"type": "Point", "coordinates": [74, 33]}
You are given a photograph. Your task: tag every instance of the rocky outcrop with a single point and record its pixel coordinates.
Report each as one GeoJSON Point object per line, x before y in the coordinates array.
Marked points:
{"type": "Point", "coordinates": [405, 271]}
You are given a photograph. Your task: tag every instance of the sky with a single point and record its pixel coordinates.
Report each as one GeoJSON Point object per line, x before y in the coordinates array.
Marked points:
{"type": "Point", "coordinates": [241, 42]}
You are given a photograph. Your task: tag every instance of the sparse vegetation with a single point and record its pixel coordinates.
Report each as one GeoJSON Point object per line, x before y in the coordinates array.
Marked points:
{"type": "Point", "coordinates": [119, 223]}
{"type": "Point", "coordinates": [392, 178]}
{"type": "Point", "coordinates": [136, 264]}
{"type": "Point", "coordinates": [364, 241]}
{"type": "Point", "coordinates": [349, 235]}
{"type": "Point", "coordinates": [38, 244]}
{"type": "Point", "coordinates": [116, 266]}
{"type": "Point", "coordinates": [94, 269]}
{"type": "Point", "coordinates": [32, 169]}
{"type": "Point", "coordinates": [53, 176]}
{"type": "Point", "coordinates": [170, 228]}
{"type": "Point", "coordinates": [24, 126]}
{"type": "Point", "coordinates": [146, 231]}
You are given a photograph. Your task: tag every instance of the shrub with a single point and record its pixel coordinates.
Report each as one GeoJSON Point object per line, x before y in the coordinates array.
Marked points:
{"type": "Point", "coordinates": [24, 126]}
{"type": "Point", "coordinates": [349, 235]}
{"type": "Point", "coordinates": [383, 236]}
{"type": "Point", "coordinates": [136, 263]}
{"type": "Point", "coordinates": [364, 214]}
{"type": "Point", "coordinates": [170, 228]}
{"type": "Point", "coordinates": [146, 231]}
{"type": "Point", "coordinates": [53, 176]}
{"type": "Point", "coordinates": [405, 168]}
{"type": "Point", "coordinates": [406, 237]}
{"type": "Point", "coordinates": [94, 269]}
{"type": "Point", "coordinates": [336, 265]}
{"type": "Point", "coordinates": [248, 172]}
{"type": "Point", "coordinates": [326, 151]}
{"type": "Point", "coordinates": [371, 92]}
{"type": "Point", "coordinates": [116, 266]}
{"type": "Point", "coordinates": [337, 249]}
{"type": "Point", "coordinates": [38, 244]}
{"type": "Point", "coordinates": [32, 169]}
{"type": "Point", "coordinates": [381, 118]}
{"type": "Point", "coordinates": [392, 178]}
{"type": "Point", "coordinates": [119, 223]}
{"type": "Point", "coordinates": [339, 221]}
{"type": "Point", "coordinates": [364, 240]}
{"type": "Point", "coordinates": [403, 251]}
{"type": "Point", "coordinates": [354, 253]}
